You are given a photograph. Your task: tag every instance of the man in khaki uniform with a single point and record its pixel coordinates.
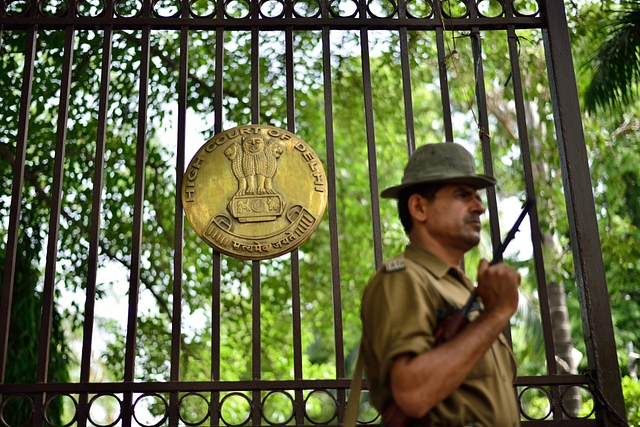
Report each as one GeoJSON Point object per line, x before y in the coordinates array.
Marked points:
{"type": "Point", "coordinates": [467, 381]}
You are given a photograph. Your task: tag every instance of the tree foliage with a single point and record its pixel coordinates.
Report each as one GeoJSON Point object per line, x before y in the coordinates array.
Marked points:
{"type": "Point", "coordinates": [613, 67]}
{"type": "Point", "coordinates": [22, 353]}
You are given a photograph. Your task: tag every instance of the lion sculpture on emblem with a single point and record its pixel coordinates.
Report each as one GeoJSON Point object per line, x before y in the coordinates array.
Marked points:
{"type": "Point", "coordinates": [254, 163]}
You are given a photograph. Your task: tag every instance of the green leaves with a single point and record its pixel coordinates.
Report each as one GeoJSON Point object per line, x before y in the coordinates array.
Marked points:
{"type": "Point", "coordinates": [614, 66]}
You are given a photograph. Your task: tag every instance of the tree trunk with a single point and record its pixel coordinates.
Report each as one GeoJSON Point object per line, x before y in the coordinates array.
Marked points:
{"type": "Point", "coordinates": [560, 327]}
{"type": "Point", "coordinates": [563, 343]}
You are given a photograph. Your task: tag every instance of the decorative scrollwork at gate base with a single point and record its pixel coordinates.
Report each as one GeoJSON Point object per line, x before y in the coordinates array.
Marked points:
{"type": "Point", "coordinates": [447, 14]}
{"type": "Point", "coordinates": [238, 408]}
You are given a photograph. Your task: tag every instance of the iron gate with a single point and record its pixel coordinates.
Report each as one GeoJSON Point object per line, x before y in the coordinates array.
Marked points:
{"type": "Point", "coordinates": [30, 19]}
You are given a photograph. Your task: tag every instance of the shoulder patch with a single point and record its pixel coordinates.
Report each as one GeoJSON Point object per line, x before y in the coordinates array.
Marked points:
{"type": "Point", "coordinates": [394, 265]}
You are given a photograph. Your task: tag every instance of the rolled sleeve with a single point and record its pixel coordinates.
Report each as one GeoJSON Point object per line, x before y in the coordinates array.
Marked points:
{"type": "Point", "coordinates": [399, 310]}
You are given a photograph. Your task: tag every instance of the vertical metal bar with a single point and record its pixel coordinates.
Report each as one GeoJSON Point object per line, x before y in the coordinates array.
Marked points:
{"type": "Point", "coordinates": [442, 68]}
{"type": "Point", "coordinates": [255, 74]}
{"type": "Point", "coordinates": [333, 205]}
{"type": "Point", "coordinates": [256, 362]}
{"type": "Point", "coordinates": [290, 87]}
{"type": "Point", "coordinates": [219, 70]}
{"type": "Point", "coordinates": [406, 85]}
{"type": "Point", "coordinates": [406, 80]}
{"type": "Point", "coordinates": [483, 131]}
{"type": "Point", "coordinates": [518, 96]}
{"type": "Point", "coordinates": [215, 334]}
{"type": "Point", "coordinates": [2, 346]}
{"type": "Point", "coordinates": [46, 322]}
{"type": "Point", "coordinates": [333, 215]}
{"type": "Point", "coordinates": [536, 238]}
{"type": "Point", "coordinates": [485, 141]}
{"type": "Point", "coordinates": [16, 197]}
{"type": "Point", "coordinates": [585, 241]}
{"type": "Point", "coordinates": [297, 334]}
{"type": "Point", "coordinates": [176, 323]}
{"type": "Point", "coordinates": [96, 208]}
{"type": "Point", "coordinates": [371, 145]}
{"type": "Point", "coordinates": [373, 171]}
{"type": "Point", "coordinates": [136, 250]}
{"type": "Point", "coordinates": [295, 255]}
{"type": "Point", "coordinates": [216, 271]}
{"type": "Point", "coordinates": [215, 317]}
{"type": "Point", "coordinates": [9, 288]}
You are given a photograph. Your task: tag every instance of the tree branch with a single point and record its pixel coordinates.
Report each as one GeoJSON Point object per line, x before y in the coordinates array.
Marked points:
{"type": "Point", "coordinates": [503, 116]}
{"type": "Point", "coordinates": [175, 67]}
{"type": "Point", "coordinates": [625, 127]}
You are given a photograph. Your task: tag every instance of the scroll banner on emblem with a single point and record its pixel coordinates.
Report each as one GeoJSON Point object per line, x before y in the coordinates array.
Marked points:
{"type": "Point", "coordinates": [254, 192]}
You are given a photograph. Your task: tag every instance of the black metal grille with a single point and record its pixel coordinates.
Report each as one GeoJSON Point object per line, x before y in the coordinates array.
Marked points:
{"type": "Point", "coordinates": [140, 20]}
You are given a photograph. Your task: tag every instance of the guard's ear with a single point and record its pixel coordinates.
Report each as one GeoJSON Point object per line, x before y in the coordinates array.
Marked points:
{"type": "Point", "coordinates": [417, 207]}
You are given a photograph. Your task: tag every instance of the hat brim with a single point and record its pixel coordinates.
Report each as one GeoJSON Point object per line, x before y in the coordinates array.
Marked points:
{"type": "Point", "coordinates": [478, 181]}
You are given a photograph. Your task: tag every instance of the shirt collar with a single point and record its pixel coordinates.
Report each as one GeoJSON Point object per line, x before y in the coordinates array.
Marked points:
{"type": "Point", "coordinates": [435, 265]}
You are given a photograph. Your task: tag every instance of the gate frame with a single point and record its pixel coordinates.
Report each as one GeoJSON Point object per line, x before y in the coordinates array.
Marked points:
{"type": "Point", "coordinates": [586, 248]}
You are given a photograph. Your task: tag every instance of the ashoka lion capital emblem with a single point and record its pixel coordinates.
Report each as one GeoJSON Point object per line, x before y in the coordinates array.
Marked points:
{"type": "Point", "coordinates": [254, 163]}
{"type": "Point", "coordinates": [254, 192]}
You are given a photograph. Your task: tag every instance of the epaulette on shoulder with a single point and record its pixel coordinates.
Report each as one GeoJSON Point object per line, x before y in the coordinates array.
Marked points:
{"type": "Point", "coordinates": [396, 264]}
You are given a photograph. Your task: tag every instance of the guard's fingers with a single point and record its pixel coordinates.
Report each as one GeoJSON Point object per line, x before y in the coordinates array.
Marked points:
{"type": "Point", "coordinates": [482, 266]}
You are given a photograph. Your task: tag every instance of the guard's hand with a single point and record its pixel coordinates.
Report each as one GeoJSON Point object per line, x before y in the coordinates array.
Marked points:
{"type": "Point", "coordinates": [498, 287]}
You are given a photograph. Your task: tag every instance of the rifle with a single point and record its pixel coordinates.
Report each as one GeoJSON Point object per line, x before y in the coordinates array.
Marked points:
{"type": "Point", "coordinates": [454, 320]}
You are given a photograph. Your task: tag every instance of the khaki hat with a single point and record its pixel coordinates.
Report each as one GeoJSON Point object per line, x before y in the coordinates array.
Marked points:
{"type": "Point", "coordinates": [447, 163]}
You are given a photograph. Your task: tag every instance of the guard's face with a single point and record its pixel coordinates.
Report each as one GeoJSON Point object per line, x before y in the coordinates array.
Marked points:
{"type": "Point", "coordinates": [453, 218]}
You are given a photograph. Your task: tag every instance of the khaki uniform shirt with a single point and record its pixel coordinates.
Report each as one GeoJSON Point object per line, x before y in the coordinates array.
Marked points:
{"type": "Point", "coordinates": [399, 314]}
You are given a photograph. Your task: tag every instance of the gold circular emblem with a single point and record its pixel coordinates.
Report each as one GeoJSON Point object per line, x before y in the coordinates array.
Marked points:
{"type": "Point", "coordinates": [254, 192]}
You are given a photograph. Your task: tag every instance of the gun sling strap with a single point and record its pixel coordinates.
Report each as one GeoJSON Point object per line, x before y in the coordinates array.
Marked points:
{"type": "Point", "coordinates": [351, 416]}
